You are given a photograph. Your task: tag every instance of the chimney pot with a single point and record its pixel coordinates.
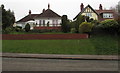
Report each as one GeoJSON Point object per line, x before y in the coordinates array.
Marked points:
{"type": "Point", "coordinates": [43, 11]}
{"type": "Point", "coordinates": [29, 12]}
{"type": "Point", "coordinates": [48, 6]}
{"type": "Point", "coordinates": [81, 6]}
{"type": "Point", "coordinates": [100, 7]}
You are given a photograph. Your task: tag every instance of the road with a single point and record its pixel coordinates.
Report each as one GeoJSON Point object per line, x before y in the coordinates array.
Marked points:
{"type": "Point", "coordinates": [25, 64]}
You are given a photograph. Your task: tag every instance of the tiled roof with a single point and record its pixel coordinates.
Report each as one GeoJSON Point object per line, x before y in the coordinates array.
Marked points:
{"type": "Point", "coordinates": [104, 11]}
{"type": "Point", "coordinates": [100, 12]}
{"type": "Point", "coordinates": [48, 14]}
{"type": "Point", "coordinates": [28, 17]}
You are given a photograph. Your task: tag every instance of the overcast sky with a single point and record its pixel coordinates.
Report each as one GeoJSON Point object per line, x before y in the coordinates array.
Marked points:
{"type": "Point", "coordinates": [62, 7]}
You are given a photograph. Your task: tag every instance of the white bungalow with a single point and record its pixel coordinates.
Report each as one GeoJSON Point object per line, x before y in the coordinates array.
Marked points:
{"type": "Point", "coordinates": [45, 19]}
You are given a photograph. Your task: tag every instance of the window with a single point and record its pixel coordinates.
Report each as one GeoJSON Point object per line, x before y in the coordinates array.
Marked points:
{"type": "Point", "coordinates": [107, 15]}
{"type": "Point", "coordinates": [56, 22]}
{"type": "Point", "coordinates": [88, 9]}
{"type": "Point", "coordinates": [89, 14]}
{"type": "Point", "coordinates": [53, 22]}
{"type": "Point", "coordinates": [43, 22]}
{"type": "Point", "coordinates": [40, 22]}
{"type": "Point", "coordinates": [37, 22]}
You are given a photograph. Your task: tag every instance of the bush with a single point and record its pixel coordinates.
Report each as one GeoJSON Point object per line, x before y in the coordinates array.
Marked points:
{"type": "Point", "coordinates": [7, 30]}
{"type": "Point", "coordinates": [95, 22]}
{"type": "Point", "coordinates": [18, 28]}
{"type": "Point", "coordinates": [65, 24]}
{"type": "Point", "coordinates": [110, 25]}
{"type": "Point", "coordinates": [27, 27]}
{"type": "Point", "coordinates": [79, 20]}
{"type": "Point", "coordinates": [118, 20]}
{"type": "Point", "coordinates": [44, 30]}
{"type": "Point", "coordinates": [73, 30]}
{"type": "Point", "coordinates": [85, 27]}
{"type": "Point", "coordinates": [48, 30]}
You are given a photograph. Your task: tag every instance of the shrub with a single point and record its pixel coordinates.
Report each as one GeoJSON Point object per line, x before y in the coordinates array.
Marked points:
{"type": "Point", "coordinates": [118, 20]}
{"type": "Point", "coordinates": [110, 25]}
{"type": "Point", "coordinates": [79, 20]}
{"type": "Point", "coordinates": [7, 30]}
{"type": "Point", "coordinates": [18, 28]}
{"type": "Point", "coordinates": [27, 27]}
{"type": "Point", "coordinates": [85, 27]}
{"type": "Point", "coordinates": [95, 22]}
{"type": "Point", "coordinates": [65, 24]}
{"type": "Point", "coordinates": [73, 30]}
{"type": "Point", "coordinates": [48, 30]}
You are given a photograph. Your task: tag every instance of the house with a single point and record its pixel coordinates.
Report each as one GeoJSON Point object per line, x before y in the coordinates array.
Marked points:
{"type": "Point", "coordinates": [88, 11]}
{"type": "Point", "coordinates": [48, 19]}
{"type": "Point", "coordinates": [100, 14]}
{"type": "Point", "coordinates": [30, 18]}
{"type": "Point", "coordinates": [105, 14]}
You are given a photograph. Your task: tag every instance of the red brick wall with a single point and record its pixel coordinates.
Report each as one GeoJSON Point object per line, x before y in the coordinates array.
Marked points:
{"type": "Point", "coordinates": [43, 36]}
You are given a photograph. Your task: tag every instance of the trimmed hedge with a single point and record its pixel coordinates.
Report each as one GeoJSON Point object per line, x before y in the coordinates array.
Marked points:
{"type": "Point", "coordinates": [110, 25]}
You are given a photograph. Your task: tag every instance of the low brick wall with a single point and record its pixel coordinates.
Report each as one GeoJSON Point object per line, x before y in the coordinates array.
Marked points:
{"type": "Point", "coordinates": [43, 36]}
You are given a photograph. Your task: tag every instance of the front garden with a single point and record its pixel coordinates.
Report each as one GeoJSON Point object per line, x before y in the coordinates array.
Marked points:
{"type": "Point", "coordinates": [103, 39]}
{"type": "Point", "coordinates": [96, 45]}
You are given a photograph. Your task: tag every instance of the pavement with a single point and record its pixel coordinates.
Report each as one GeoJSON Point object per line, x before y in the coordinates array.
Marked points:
{"type": "Point", "coordinates": [60, 56]}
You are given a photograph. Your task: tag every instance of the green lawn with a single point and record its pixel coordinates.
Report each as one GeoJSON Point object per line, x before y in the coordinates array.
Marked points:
{"type": "Point", "coordinates": [105, 45]}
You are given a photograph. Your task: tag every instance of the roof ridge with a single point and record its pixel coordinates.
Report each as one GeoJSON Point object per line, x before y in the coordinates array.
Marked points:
{"type": "Point", "coordinates": [84, 10]}
{"type": "Point", "coordinates": [48, 13]}
{"type": "Point", "coordinates": [27, 17]}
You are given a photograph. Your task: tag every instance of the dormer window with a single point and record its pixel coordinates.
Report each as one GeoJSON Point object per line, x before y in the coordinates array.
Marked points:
{"type": "Point", "coordinates": [107, 15]}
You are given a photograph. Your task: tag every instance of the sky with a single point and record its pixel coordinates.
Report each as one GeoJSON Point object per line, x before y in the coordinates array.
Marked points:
{"type": "Point", "coordinates": [62, 7]}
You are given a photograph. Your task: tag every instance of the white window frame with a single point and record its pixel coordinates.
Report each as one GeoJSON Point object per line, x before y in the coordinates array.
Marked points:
{"type": "Point", "coordinates": [107, 15]}
{"type": "Point", "coordinates": [89, 14]}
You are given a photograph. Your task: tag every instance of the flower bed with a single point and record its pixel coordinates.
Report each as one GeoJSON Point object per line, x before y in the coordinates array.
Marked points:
{"type": "Point", "coordinates": [43, 36]}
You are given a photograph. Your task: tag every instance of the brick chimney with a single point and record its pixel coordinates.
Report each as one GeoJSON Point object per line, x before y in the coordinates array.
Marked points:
{"type": "Point", "coordinates": [29, 12]}
{"type": "Point", "coordinates": [81, 6]}
{"type": "Point", "coordinates": [100, 7]}
{"type": "Point", "coordinates": [48, 6]}
{"type": "Point", "coordinates": [43, 11]}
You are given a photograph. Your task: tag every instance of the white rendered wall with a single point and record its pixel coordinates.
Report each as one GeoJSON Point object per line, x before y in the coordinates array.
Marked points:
{"type": "Point", "coordinates": [22, 24]}
{"type": "Point", "coordinates": [50, 20]}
